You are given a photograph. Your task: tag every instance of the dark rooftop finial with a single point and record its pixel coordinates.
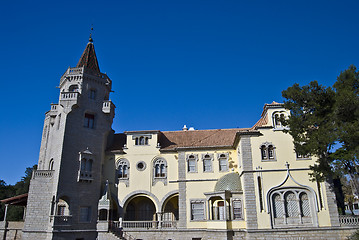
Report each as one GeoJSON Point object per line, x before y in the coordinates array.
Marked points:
{"type": "Point", "coordinates": [90, 38]}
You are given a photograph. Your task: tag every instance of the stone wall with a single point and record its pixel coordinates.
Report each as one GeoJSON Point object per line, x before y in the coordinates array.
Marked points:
{"type": "Point", "coordinates": [268, 234]}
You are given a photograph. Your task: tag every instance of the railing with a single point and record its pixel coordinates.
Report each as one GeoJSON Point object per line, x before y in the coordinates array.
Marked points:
{"type": "Point", "coordinates": [115, 225]}
{"type": "Point", "coordinates": [140, 224]}
{"type": "Point", "coordinates": [348, 220]}
{"type": "Point", "coordinates": [42, 174]}
{"type": "Point", "coordinates": [69, 96]}
{"type": "Point", "coordinates": [75, 70]}
{"type": "Point", "coordinates": [169, 224]}
{"type": "Point", "coordinates": [60, 220]}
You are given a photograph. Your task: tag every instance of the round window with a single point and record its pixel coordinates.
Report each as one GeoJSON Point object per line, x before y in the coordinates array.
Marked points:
{"type": "Point", "coordinates": [141, 166]}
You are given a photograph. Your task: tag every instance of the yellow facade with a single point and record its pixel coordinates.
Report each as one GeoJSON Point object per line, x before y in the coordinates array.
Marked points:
{"type": "Point", "coordinates": [271, 187]}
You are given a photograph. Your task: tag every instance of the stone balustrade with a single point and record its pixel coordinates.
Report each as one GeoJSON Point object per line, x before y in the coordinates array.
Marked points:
{"type": "Point", "coordinates": [69, 96]}
{"type": "Point", "coordinates": [348, 220]}
{"type": "Point", "coordinates": [42, 174]}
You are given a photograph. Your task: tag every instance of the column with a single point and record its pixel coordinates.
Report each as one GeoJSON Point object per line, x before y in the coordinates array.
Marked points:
{"type": "Point", "coordinates": [182, 197]}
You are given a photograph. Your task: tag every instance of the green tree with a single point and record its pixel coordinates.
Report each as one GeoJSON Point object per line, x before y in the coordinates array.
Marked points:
{"type": "Point", "coordinates": [324, 122]}
{"type": "Point", "coordinates": [347, 121]}
{"type": "Point", "coordinates": [311, 123]}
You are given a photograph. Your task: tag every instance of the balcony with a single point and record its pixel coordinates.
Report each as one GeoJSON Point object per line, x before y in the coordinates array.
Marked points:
{"type": "Point", "coordinates": [69, 96]}
{"type": "Point", "coordinates": [144, 225]}
{"type": "Point", "coordinates": [108, 106]}
{"type": "Point", "coordinates": [61, 221]}
{"type": "Point", "coordinates": [42, 174]}
{"type": "Point", "coordinates": [85, 175]}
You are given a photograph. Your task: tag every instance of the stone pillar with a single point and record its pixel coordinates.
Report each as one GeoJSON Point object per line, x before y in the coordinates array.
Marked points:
{"type": "Point", "coordinates": [248, 183]}
{"type": "Point", "coordinates": [182, 196]}
{"type": "Point", "coordinates": [159, 219]}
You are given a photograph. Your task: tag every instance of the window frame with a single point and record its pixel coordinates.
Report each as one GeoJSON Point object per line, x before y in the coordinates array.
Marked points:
{"type": "Point", "coordinates": [192, 158]}
{"type": "Point", "coordinates": [88, 214]}
{"type": "Point", "coordinates": [89, 120]}
{"type": "Point", "coordinates": [268, 152]}
{"type": "Point", "coordinates": [198, 202]}
{"type": "Point", "coordinates": [207, 158]}
{"type": "Point", "coordinates": [122, 163]}
{"type": "Point", "coordinates": [223, 157]}
{"type": "Point", "coordinates": [237, 200]}
{"type": "Point", "coordinates": [92, 94]}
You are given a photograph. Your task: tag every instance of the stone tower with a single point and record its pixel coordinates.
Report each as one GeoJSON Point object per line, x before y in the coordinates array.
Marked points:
{"type": "Point", "coordinates": [65, 190]}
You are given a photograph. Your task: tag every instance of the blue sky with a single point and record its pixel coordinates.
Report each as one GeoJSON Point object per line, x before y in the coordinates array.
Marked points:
{"type": "Point", "coordinates": [207, 64]}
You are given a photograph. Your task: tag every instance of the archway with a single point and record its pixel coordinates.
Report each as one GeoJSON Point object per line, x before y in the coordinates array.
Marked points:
{"type": "Point", "coordinates": [140, 208]}
{"type": "Point", "coordinates": [170, 209]}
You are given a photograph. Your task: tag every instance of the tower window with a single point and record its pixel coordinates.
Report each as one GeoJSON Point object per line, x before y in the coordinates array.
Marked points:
{"type": "Point", "coordinates": [92, 94]}
{"type": "Point", "coordinates": [267, 152]}
{"type": "Point", "coordinates": [277, 116]}
{"type": "Point", "coordinates": [85, 214]}
{"type": "Point", "coordinates": [89, 121]}
{"type": "Point", "coordinates": [85, 167]}
{"type": "Point", "coordinates": [142, 140]}
{"type": "Point", "coordinates": [74, 88]}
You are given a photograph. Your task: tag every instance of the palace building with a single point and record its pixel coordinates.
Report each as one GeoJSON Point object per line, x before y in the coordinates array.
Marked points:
{"type": "Point", "coordinates": [239, 183]}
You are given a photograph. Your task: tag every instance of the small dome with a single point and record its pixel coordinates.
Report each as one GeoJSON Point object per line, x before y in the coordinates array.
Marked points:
{"type": "Point", "coordinates": [230, 182]}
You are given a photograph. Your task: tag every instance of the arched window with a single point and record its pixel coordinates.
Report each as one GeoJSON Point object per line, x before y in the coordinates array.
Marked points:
{"type": "Point", "coordinates": [278, 208]}
{"type": "Point", "coordinates": [304, 205]}
{"type": "Point", "coordinates": [264, 152]}
{"type": "Point", "coordinates": [267, 152]}
{"type": "Point", "coordinates": [122, 169]}
{"type": "Point", "coordinates": [63, 208]}
{"type": "Point", "coordinates": [277, 116]}
{"type": "Point", "coordinates": [223, 162]}
{"type": "Point", "coordinates": [192, 163]}
{"type": "Point", "coordinates": [270, 152]}
{"type": "Point", "coordinates": [74, 88]}
{"type": "Point", "coordinates": [207, 162]}
{"type": "Point", "coordinates": [160, 168]}
{"type": "Point", "coordinates": [291, 206]}
{"type": "Point", "coordinates": [51, 164]}
{"type": "Point", "coordinates": [142, 140]}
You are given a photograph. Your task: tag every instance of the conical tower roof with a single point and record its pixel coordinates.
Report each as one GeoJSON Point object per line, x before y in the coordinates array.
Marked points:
{"type": "Point", "coordinates": [88, 58]}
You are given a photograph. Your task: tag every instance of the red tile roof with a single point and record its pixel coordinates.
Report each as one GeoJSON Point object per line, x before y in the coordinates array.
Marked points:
{"type": "Point", "coordinates": [174, 140]}
{"type": "Point", "coordinates": [89, 59]}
